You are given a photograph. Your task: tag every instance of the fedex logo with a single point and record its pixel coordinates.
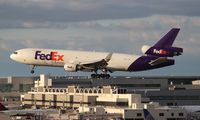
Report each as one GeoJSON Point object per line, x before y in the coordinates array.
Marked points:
{"type": "Point", "coordinates": [52, 56]}
{"type": "Point", "coordinates": [161, 51]}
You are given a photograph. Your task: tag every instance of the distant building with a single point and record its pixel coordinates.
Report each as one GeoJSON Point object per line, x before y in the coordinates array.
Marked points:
{"type": "Point", "coordinates": [12, 87]}
{"type": "Point", "coordinates": [96, 102]}
{"type": "Point", "coordinates": [167, 90]}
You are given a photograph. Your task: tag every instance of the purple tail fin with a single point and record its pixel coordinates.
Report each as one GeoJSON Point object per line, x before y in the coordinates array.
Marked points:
{"type": "Point", "coordinates": [168, 39]}
{"type": "Point", "coordinates": [2, 107]}
{"type": "Point", "coordinates": [163, 48]}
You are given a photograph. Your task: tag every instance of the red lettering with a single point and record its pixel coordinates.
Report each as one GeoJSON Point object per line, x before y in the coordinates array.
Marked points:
{"type": "Point", "coordinates": [163, 52]}
{"type": "Point", "coordinates": [60, 57]}
{"type": "Point", "coordinates": [54, 56]}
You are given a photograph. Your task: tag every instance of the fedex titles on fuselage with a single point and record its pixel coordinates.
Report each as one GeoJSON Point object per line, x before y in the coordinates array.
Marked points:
{"type": "Point", "coordinates": [54, 56]}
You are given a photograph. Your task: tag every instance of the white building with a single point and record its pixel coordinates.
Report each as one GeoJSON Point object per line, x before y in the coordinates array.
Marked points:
{"type": "Point", "coordinates": [97, 102]}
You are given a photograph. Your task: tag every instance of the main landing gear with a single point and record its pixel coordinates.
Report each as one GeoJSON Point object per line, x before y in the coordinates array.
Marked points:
{"type": "Point", "coordinates": [32, 69]}
{"type": "Point", "coordinates": [104, 74]}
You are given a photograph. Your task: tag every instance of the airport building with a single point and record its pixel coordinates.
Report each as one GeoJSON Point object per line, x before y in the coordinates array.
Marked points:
{"type": "Point", "coordinates": [12, 87]}
{"type": "Point", "coordinates": [122, 94]}
{"type": "Point", "coordinates": [97, 102]}
{"type": "Point", "coordinates": [167, 91]}
{"type": "Point", "coordinates": [170, 91]}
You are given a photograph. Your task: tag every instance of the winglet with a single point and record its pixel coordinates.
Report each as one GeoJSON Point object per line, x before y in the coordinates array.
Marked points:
{"type": "Point", "coordinates": [108, 57]}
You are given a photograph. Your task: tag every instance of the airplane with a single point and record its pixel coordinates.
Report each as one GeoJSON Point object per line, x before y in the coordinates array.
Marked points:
{"type": "Point", "coordinates": [147, 115]}
{"type": "Point", "coordinates": [153, 57]}
{"type": "Point", "coordinates": [6, 110]}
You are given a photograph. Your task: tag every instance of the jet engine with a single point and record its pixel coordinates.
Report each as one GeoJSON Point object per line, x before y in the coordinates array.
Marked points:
{"type": "Point", "coordinates": [145, 48]}
{"type": "Point", "coordinates": [70, 67]}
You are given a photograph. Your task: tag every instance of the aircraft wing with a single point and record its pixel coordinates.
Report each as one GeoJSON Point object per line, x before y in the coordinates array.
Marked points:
{"type": "Point", "coordinates": [96, 64]}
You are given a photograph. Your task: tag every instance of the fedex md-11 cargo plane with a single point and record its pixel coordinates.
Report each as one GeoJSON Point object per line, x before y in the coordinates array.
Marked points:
{"type": "Point", "coordinates": [153, 57]}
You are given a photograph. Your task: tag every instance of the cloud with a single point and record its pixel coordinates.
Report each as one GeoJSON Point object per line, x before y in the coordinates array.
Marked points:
{"type": "Point", "coordinates": [35, 13]}
{"type": "Point", "coordinates": [121, 35]}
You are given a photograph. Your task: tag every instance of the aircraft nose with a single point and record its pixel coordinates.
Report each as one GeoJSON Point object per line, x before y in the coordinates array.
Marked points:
{"type": "Point", "coordinates": [12, 56]}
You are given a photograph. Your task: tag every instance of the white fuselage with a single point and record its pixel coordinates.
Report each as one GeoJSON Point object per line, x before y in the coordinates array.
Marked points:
{"type": "Point", "coordinates": [58, 58]}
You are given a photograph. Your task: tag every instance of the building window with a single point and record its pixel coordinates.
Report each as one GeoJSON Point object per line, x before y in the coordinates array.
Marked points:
{"type": "Point", "coordinates": [77, 91]}
{"type": "Point", "coordinates": [99, 91]}
{"type": "Point", "coordinates": [139, 114]}
{"type": "Point", "coordinates": [90, 91]}
{"type": "Point", "coordinates": [81, 91]}
{"type": "Point", "coordinates": [86, 91]}
{"type": "Point", "coordinates": [170, 104]}
{"type": "Point", "coordinates": [95, 91]}
{"type": "Point", "coordinates": [174, 119]}
{"type": "Point", "coordinates": [122, 103]}
{"type": "Point", "coordinates": [180, 114]}
{"type": "Point", "coordinates": [6, 87]}
{"type": "Point", "coordinates": [161, 114]}
{"type": "Point", "coordinates": [172, 114]}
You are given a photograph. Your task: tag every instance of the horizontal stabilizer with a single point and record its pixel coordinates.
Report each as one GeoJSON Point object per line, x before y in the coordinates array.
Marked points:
{"type": "Point", "coordinates": [158, 61]}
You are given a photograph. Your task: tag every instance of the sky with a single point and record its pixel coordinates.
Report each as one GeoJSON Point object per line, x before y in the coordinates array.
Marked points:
{"type": "Point", "coordinates": [122, 26]}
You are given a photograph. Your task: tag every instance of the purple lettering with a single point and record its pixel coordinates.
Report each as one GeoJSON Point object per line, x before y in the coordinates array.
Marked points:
{"type": "Point", "coordinates": [52, 56]}
{"type": "Point", "coordinates": [42, 56]}
{"type": "Point", "coordinates": [49, 56]}
{"type": "Point", "coordinates": [37, 54]}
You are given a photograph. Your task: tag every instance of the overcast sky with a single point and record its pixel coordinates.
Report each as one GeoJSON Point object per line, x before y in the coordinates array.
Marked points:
{"type": "Point", "coordinates": [100, 25]}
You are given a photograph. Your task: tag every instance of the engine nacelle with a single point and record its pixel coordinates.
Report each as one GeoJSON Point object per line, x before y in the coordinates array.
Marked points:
{"type": "Point", "coordinates": [145, 48]}
{"type": "Point", "coordinates": [70, 67]}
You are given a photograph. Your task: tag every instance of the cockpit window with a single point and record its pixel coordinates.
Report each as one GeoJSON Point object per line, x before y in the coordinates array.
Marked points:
{"type": "Point", "coordinates": [15, 52]}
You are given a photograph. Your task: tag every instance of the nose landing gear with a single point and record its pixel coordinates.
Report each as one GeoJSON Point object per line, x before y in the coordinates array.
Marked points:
{"type": "Point", "coordinates": [32, 69]}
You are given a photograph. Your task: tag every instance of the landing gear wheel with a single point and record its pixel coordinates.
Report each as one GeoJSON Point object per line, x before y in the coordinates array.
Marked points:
{"type": "Point", "coordinates": [32, 71]}
{"type": "Point", "coordinates": [93, 75]}
{"type": "Point", "coordinates": [98, 76]}
{"type": "Point", "coordinates": [102, 76]}
{"type": "Point", "coordinates": [107, 76]}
